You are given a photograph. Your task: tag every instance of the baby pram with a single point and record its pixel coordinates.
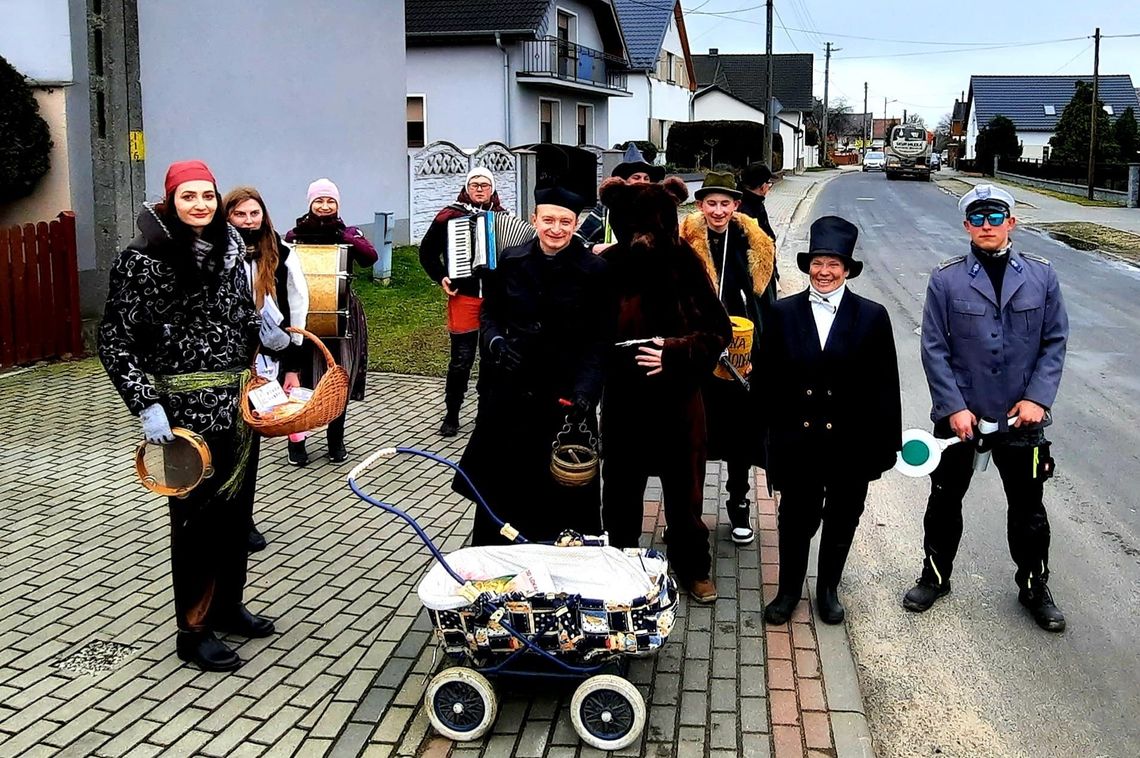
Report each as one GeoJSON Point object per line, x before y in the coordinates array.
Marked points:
{"type": "Point", "coordinates": [570, 609]}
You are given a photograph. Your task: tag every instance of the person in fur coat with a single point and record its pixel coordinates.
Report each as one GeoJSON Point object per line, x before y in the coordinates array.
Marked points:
{"type": "Point", "coordinates": [653, 416]}
{"type": "Point", "coordinates": [739, 259]}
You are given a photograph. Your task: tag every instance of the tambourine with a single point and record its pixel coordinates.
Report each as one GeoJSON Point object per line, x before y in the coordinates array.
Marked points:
{"type": "Point", "coordinates": [571, 464]}
{"type": "Point", "coordinates": [175, 469]}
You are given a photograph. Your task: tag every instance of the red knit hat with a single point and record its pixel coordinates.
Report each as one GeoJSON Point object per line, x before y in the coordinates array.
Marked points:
{"type": "Point", "coordinates": [187, 171]}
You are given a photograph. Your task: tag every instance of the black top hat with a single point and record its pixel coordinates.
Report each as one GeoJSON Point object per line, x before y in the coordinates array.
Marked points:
{"type": "Point", "coordinates": [559, 195]}
{"type": "Point", "coordinates": [834, 236]}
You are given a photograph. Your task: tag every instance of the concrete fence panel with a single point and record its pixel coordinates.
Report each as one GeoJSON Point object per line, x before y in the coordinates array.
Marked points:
{"type": "Point", "coordinates": [437, 175]}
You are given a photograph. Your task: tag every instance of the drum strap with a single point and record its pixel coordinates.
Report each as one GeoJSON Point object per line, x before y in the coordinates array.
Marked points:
{"type": "Point", "coordinates": [204, 380]}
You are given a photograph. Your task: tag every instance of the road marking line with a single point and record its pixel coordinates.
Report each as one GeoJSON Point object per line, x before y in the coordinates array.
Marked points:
{"type": "Point", "coordinates": [864, 198]}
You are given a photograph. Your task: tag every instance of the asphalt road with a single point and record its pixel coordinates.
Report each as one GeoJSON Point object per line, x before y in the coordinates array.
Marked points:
{"type": "Point", "coordinates": [974, 676]}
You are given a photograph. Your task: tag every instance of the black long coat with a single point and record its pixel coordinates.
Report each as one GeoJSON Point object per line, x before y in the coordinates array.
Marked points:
{"type": "Point", "coordinates": [557, 312]}
{"type": "Point", "coordinates": [833, 414]}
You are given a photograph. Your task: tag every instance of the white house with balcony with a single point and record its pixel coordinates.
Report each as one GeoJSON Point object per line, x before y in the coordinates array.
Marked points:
{"type": "Point", "coordinates": [516, 71]}
{"type": "Point", "coordinates": [661, 77]}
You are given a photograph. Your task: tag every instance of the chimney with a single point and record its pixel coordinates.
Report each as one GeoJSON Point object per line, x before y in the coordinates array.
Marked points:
{"type": "Point", "coordinates": [714, 51]}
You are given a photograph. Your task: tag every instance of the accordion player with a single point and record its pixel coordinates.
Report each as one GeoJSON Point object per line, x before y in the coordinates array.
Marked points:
{"type": "Point", "coordinates": [474, 241]}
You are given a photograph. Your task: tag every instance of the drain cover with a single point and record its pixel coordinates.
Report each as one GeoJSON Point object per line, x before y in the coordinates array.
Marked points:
{"type": "Point", "coordinates": [96, 657]}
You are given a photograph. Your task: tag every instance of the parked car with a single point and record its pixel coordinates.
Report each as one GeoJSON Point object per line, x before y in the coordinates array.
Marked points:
{"type": "Point", "coordinates": [935, 162]}
{"type": "Point", "coordinates": [874, 161]}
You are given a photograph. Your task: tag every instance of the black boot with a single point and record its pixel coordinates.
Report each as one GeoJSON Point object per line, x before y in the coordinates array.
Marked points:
{"type": "Point", "coordinates": [827, 603]}
{"type": "Point", "coordinates": [793, 569]}
{"type": "Point", "coordinates": [780, 610]}
{"type": "Point", "coordinates": [929, 587]}
{"type": "Point", "coordinates": [242, 622]}
{"type": "Point", "coordinates": [257, 541]}
{"type": "Point", "coordinates": [337, 451]}
{"type": "Point", "coordinates": [298, 455]}
{"type": "Point", "coordinates": [834, 546]}
{"type": "Point", "coordinates": [1039, 600]}
{"type": "Point", "coordinates": [450, 425]}
{"type": "Point", "coordinates": [206, 652]}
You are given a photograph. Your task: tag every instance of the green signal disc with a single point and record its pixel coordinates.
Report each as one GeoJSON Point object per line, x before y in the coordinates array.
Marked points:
{"type": "Point", "coordinates": [915, 452]}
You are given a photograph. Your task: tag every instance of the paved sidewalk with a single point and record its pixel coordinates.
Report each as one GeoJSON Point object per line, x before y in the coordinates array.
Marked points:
{"type": "Point", "coordinates": [1051, 210]}
{"type": "Point", "coordinates": [87, 664]}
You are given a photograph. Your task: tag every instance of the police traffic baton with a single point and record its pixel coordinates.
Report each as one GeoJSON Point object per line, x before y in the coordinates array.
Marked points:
{"type": "Point", "coordinates": [922, 451]}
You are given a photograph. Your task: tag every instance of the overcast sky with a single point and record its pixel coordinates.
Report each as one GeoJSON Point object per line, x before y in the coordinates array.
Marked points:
{"type": "Point", "coordinates": [927, 72]}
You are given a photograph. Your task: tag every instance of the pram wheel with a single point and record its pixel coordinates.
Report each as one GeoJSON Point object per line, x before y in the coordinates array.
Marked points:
{"type": "Point", "coordinates": [607, 712]}
{"type": "Point", "coordinates": [461, 704]}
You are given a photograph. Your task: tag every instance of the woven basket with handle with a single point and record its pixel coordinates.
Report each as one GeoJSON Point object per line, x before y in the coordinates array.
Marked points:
{"type": "Point", "coordinates": [328, 401]}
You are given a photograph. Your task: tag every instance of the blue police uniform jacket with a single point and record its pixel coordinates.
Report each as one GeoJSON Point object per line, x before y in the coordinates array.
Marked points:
{"type": "Point", "coordinates": [983, 355]}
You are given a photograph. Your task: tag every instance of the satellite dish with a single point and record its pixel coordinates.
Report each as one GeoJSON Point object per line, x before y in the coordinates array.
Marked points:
{"type": "Point", "coordinates": [921, 452]}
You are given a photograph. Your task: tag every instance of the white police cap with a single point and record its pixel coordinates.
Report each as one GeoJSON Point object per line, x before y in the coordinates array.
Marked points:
{"type": "Point", "coordinates": [985, 192]}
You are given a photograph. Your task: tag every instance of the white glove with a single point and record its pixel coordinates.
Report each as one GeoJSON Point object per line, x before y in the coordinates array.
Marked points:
{"type": "Point", "coordinates": [273, 336]}
{"type": "Point", "coordinates": [156, 427]}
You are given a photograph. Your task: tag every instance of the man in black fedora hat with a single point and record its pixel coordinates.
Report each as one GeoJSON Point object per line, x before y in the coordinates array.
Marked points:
{"type": "Point", "coordinates": [595, 232]}
{"type": "Point", "coordinates": [832, 412]}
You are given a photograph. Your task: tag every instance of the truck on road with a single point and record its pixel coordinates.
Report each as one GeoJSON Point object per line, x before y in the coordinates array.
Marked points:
{"type": "Point", "coordinates": [908, 152]}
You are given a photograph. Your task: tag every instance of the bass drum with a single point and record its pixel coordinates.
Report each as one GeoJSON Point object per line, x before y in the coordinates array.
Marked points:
{"type": "Point", "coordinates": [326, 273]}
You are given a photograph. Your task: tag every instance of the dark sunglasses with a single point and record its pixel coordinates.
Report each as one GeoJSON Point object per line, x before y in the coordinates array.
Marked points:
{"type": "Point", "coordinates": [977, 220]}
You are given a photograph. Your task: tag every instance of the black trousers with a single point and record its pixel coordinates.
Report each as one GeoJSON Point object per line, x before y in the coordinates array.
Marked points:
{"type": "Point", "coordinates": [463, 349]}
{"type": "Point", "coordinates": [209, 534]}
{"type": "Point", "coordinates": [682, 495]}
{"type": "Point", "coordinates": [739, 472]}
{"type": "Point", "coordinates": [1027, 524]}
{"type": "Point", "coordinates": [802, 508]}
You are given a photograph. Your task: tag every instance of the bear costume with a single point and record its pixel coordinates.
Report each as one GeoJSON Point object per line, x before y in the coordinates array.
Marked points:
{"type": "Point", "coordinates": [653, 424]}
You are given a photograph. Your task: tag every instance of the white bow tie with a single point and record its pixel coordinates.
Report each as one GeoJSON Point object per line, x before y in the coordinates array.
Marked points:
{"type": "Point", "coordinates": [820, 300]}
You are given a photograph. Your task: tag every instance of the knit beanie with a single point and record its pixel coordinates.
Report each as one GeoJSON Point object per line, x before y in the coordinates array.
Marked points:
{"type": "Point", "coordinates": [323, 188]}
{"type": "Point", "coordinates": [187, 171]}
{"type": "Point", "coordinates": [480, 171]}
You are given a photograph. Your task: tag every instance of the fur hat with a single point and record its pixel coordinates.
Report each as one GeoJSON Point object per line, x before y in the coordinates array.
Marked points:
{"type": "Point", "coordinates": [640, 211]}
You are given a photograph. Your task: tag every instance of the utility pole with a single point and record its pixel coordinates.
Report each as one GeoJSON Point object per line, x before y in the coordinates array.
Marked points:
{"type": "Point", "coordinates": [768, 95]}
{"type": "Point", "coordinates": [826, 80]}
{"type": "Point", "coordinates": [1093, 113]}
{"type": "Point", "coordinates": [904, 115]}
{"type": "Point", "coordinates": [866, 124]}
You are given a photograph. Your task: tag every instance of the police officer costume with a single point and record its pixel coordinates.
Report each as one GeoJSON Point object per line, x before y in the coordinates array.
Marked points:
{"type": "Point", "coordinates": [994, 332]}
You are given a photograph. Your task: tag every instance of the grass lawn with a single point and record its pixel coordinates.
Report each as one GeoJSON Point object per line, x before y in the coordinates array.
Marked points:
{"type": "Point", "coordinates": [1078, 199]}
{"type": "Point", "coordinates": [1088, 236]}
{"type": "Point", "coordinates": [407, 320]}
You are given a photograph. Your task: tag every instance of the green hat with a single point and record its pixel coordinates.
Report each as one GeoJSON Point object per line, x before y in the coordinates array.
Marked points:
{"type": "Point", "coordinates": [722, 182]}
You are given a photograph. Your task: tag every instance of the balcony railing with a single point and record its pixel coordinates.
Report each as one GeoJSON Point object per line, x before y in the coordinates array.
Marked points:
{"type": "Point", "coordinates": [570, 62]}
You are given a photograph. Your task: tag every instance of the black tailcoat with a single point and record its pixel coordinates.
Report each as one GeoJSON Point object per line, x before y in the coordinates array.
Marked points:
{"type": "Point", "coordinates": [833, 414]}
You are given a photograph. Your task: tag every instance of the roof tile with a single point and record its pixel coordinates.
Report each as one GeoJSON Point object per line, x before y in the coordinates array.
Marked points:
{"type": "Point", "coordinates": [1022, 99]}
{"type": "Point", "coordinates": [643, 24]}
{"type": "Point", "coordinates": [743, 75]}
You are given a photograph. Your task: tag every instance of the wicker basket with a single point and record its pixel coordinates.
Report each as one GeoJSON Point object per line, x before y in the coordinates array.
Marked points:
{"type": "Point", "coordinates": [328, 401]}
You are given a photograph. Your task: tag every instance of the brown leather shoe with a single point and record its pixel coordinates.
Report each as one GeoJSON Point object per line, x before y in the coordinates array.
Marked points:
{"type": "Point", "coordinates": [702, 590]}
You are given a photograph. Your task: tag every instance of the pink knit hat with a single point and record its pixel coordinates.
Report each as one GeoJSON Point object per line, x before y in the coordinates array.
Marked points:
{"type": "Point", "coordinates": [323, 188]}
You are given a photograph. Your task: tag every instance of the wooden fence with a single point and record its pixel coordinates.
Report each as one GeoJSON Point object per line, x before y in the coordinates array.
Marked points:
{"type": "Point", "coordinates": [39, 292]}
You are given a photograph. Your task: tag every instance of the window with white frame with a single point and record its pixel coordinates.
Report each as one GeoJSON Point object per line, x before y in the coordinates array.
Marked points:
{"type": "Point", "coordinates": [417, 123]}
{"type": "Point", "coordinates": [585, 124]}
{"type": "Point", "coordinates": [549, 129]}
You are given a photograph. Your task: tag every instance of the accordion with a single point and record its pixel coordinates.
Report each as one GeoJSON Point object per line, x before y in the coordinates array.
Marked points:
{"type": "Point", "coordinates": [475, 241]}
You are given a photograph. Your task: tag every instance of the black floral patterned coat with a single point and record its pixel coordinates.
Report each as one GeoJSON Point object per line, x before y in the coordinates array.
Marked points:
{"type": "Point", "coordinates": [156, 323]}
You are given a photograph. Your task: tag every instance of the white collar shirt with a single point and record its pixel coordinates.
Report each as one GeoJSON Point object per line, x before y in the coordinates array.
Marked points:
{"type": "Point", "coordinates": [823, 310]}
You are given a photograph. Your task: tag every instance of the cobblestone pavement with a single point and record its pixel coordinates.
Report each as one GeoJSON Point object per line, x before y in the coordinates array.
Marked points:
{"type": "Point", "coordinates": [84, 562]}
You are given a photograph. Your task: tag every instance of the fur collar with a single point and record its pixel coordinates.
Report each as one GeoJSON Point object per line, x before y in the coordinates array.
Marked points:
{"type": "Point", "coordinates": [154, 235]}
{"type": "Point", "coordinates": [761, 251]}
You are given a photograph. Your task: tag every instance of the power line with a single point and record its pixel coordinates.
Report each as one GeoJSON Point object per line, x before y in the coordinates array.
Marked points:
{"type": "Point", "coordinates": [971, 50]}
{"type": "Point", "coordinates": [1066, 63]}
{"type": "Point", "coordinates": [786, 34]}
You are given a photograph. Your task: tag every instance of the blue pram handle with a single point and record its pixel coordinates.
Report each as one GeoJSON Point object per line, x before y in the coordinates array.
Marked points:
{"type": "Point", "coordinates": [392, 452]}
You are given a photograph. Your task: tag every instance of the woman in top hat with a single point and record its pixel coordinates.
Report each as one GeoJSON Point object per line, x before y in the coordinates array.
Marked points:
{"type": "Point", "coordinates": [322, 225]}
{"type": "Point", "coordinates": [546, 327]}
{"type": "Point", "coordinates": [596, 232]}
{"type": "Point", "coordinates": [740, 260]}
{"type": "Point", "coordinates": [832, 413]}
{"type": "Point", "coordinates": [178, 332]}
